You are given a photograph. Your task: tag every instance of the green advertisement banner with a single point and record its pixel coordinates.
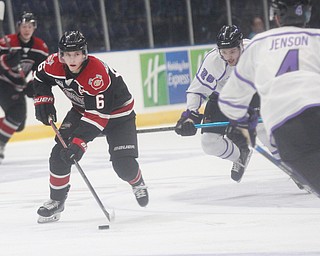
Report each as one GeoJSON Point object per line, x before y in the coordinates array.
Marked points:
{"type": "Point", "coordinates": [154, 79]}
{"type": "Point", "coordinates": [157, 67]}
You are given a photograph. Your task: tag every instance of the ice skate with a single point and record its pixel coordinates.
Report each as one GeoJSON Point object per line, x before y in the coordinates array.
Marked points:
{"type": "Point", "coordinates": [240, 165]}
{"type": "Point", "coordinates": [141, 193]}
{"type": "Point", "coordinates": [50, 211]}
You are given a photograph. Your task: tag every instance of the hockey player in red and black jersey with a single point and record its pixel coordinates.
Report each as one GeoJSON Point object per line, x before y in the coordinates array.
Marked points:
{"type": "Point", "coordinates": [20, 55]}
{"type": "Point", "coordinates": [101, 103]}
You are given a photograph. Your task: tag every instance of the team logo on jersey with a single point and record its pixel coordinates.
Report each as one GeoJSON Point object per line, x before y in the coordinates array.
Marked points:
{"type": "Point", "coordinates": [26, 65]}
{"type": "Point", "coordinates": [25, 50]}
{"type": "Point", "coordinates": [97, 82]}
{"type": "Point", "coordinates": [74, 97]}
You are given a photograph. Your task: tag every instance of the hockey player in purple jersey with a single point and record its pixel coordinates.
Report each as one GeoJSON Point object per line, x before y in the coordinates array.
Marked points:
{"type": "Point", "coordinates": [207, 84]}
{"type": "Point", "coordinates": [280, 65]}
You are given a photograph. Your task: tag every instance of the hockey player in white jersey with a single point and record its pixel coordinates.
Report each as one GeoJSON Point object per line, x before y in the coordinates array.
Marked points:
{"type": "Point", "coordinates": [209, 80]}
{"type": "Point", "coordinates": [281, 65]}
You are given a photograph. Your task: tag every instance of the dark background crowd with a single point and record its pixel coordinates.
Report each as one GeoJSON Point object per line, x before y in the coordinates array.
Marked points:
{"type": "Point", "coordinates": [140, 24]}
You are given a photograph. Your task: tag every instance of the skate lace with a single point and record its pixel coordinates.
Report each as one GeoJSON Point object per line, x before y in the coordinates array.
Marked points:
{"type": "Point", "coordinates": [51, 204]}
{"type": "Point", "coordinates": [140, 191]}
{"type": "Point", "coordinates": [237, 166]}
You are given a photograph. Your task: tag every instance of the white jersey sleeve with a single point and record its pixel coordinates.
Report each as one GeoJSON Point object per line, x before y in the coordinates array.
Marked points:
{"type": "Point", "coordinates": [210, 78]}
{"type": "Point", "coordinates": [279, 64]}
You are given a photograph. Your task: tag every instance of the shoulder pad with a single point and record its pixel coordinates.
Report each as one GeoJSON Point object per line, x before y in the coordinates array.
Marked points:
{"type": "Point", "coordinates": [94, 78]}
{"type": "Point", "coordinates": [246, 42]}
{"type": "Point", "coordinates": [40, 45]}
{"type": "Point", "coordinates": [53, 66]}
{"type": "Point", "coordinates": [12, 40]}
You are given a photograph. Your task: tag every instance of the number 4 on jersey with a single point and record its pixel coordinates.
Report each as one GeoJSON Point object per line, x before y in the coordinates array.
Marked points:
{"type": "Point", "coordinates": [290, 62]}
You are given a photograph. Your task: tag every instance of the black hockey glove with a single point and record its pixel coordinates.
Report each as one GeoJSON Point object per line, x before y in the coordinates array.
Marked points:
{"type": "Point", "coordinates": [29, 90]}
{"type": "Point", "coordinates": [185, 125]}
{"type": "Point", "coordinates": [11, 59]}
{"type": "Point", "coordinates": [247, 126]}
{"type": "Point", "coordinates": [44, 108]}
{"type": "Point", "coordinates": [75, 151]}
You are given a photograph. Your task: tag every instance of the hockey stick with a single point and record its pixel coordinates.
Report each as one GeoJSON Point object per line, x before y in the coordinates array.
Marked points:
{"type": "Point", "coordinates": [109, 216]}
{"type": "Point", "coordinates": [198, 126]}
{"type": "Point", "coordinates": [2, 10]}
{"type": "Point", "coordinates": [297, 178]}
{"type": "Point", "coordinates": [171, 128]}
{"type": "Point", "coordinates": [273, 160]}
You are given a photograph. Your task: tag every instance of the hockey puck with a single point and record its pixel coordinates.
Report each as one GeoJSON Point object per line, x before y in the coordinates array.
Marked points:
{"type": "Point", "coordinates": [104, 227]}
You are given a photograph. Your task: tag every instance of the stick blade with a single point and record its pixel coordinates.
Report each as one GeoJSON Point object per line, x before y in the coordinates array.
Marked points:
{"type": "Point", "coordinates": [2, 9]}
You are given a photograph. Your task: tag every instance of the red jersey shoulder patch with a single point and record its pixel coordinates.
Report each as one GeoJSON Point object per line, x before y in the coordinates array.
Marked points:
{"type": "Point", "coordinates": [94, 78]}
{"type": "Point", "coordinates": [97, 82]}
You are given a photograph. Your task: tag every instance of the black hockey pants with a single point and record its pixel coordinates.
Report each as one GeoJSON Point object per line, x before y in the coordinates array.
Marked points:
{"type": "Point", "coordinates": [298, 142]}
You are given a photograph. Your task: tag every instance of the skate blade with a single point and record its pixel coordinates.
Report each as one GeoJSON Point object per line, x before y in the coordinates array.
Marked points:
{"type": "Point", "coordinates": [236, 176]}
{"type": "Point", "coordinates": [53, 218]}
{"type": "Point", "coordinates": [249, 157]}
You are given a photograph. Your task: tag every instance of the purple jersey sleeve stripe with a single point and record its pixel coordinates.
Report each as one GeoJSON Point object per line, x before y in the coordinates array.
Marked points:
{"type": "Point", "coordinates": [224, 72]}
{"type": "Point", "coordinates": [293, 115]}
{"type": "Point", "coordinates": [243, 79]}
{"type": "Point", "coordinates": [199, 71]}
{"type": "Point", "coordinates": [200, 94]}
{"type": "Point", "coordinates": [232, 105]}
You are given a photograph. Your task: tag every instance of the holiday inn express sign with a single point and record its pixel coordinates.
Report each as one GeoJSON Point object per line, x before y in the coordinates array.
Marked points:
{"type": "Point", "coordinates": [167, 75]}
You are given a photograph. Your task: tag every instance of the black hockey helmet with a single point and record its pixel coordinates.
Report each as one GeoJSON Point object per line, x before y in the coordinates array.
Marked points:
{"type": "Point", "coordinates": [229, 37]}
{"type": "Point", "coordinates": [27, 17]}
{"type": "Point", "coordinates": [291, 12]}
{"type": "Point", "coordinates": [72, 41]}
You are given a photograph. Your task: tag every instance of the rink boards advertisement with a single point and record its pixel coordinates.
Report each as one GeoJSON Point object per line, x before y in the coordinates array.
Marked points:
{"type": "Point", "coordinates": [167, 75]}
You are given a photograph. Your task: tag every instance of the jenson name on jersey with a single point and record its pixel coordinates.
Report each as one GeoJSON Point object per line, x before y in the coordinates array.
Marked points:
{"type": "Point", "coordinates": [290, 41]}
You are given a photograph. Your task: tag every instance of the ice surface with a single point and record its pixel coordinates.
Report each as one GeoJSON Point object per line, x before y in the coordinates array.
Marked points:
{"type": "Point", "coordinates": [195, 208]}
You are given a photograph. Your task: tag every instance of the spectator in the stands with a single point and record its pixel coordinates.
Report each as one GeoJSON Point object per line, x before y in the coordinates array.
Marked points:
{"type": "Point", "coordinates": [257, 26]}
